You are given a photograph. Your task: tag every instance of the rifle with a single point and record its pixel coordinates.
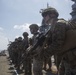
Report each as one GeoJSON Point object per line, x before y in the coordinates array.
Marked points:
{"type": "Point", "coordinates": [41, 38]}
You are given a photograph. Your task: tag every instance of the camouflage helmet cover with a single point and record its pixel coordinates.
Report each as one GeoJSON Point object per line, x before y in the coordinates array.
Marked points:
{"type": "Point", "coordinates": [34, 26]}
{"type": "Point", "coordinates": [25, 34]}
{"type": "Point", "coordinates": [16, 39]}
{"type": "Point", "coordinates": [19, 38]}
{"type": "Point", "coordinates": [49, 10]}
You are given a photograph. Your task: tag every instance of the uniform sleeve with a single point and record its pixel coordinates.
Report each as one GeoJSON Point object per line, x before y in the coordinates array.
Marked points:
{"type": "Point", "coordinates": [58, 38]}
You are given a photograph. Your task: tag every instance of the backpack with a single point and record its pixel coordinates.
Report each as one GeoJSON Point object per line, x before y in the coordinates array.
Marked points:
{"type": "Point", "coordinates": [70, 41]}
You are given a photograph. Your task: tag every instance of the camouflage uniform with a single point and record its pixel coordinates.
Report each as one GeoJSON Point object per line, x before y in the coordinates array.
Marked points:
{"type": "Point", "coordinates": [43, 29]}
{"type": "Point", "coordinates": [19, 52]}
{"type": "Point", "coordinates": [58, 36]}
{"type": "Point", "coordinates": [14, 51]}
{"type": "Point", "coordinates": [27, 62]}
{"type": "Point", "coordinates": [37, 61]}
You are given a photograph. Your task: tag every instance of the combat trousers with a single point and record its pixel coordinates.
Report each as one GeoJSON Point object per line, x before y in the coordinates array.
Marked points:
{"type": "Point", "coordinates": [37, 66]}
{"type": "Point", "coordinates": [27, 67]}
{"type": "Point", "coordinates": [68, 70]}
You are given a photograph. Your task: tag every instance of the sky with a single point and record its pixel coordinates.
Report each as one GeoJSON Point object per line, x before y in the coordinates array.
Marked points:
{"type": "Point", "coordinates": [17, 15]}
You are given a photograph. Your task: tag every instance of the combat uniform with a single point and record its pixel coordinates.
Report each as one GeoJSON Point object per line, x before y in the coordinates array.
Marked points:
{"type": "Point", "coordinates": [27, 61]}
{"type": "Point", "coordinates": [57, 32]}
{"type": "Point", "coordinates": [43, 29]}
{"type": "Point", "coordinates": [37, 61]}
{"type": "Point", "coordinates": [69, 57]}
{"type": "Point", "coordinates": [58, 37]}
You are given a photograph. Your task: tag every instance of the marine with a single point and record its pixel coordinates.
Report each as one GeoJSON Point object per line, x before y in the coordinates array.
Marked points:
{"type": "Point", "coordinates": [49, 17]}
{"type": "Point", "coordinates": [59, 43]}
{"type": "Point", "coordinates": [26, 62]}
{"type": "Point", "coordinates": [37, 61]}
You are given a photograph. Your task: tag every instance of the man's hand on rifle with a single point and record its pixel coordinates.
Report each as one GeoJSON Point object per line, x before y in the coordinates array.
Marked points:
{"type": "Point", "coordinates": [28, 49]}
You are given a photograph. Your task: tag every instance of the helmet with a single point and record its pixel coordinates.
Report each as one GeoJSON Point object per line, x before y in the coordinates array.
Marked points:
{"type": "Point", "coordinates": [34, 26]}
{"type": "Point", "coordinates": [16, 39]}
{"type": "Point", "coordinates": [49, 11]}
{"type": "Point", "coordinates": [25, 34]}
{"type": "Point", "coordinates": [19, 38]}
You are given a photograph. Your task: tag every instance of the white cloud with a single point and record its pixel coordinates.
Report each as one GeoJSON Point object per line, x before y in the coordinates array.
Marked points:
{"type": "Point", "coordinates": [3, 41]}
{"type": "Point", "coordinates": [16, 36]}
{"type": "Point", "coordinates": [24, 27]}
{"type": "Point", "coordinates": [1, 28]}
{"type": "Point", "coordinates": [68, 1]}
